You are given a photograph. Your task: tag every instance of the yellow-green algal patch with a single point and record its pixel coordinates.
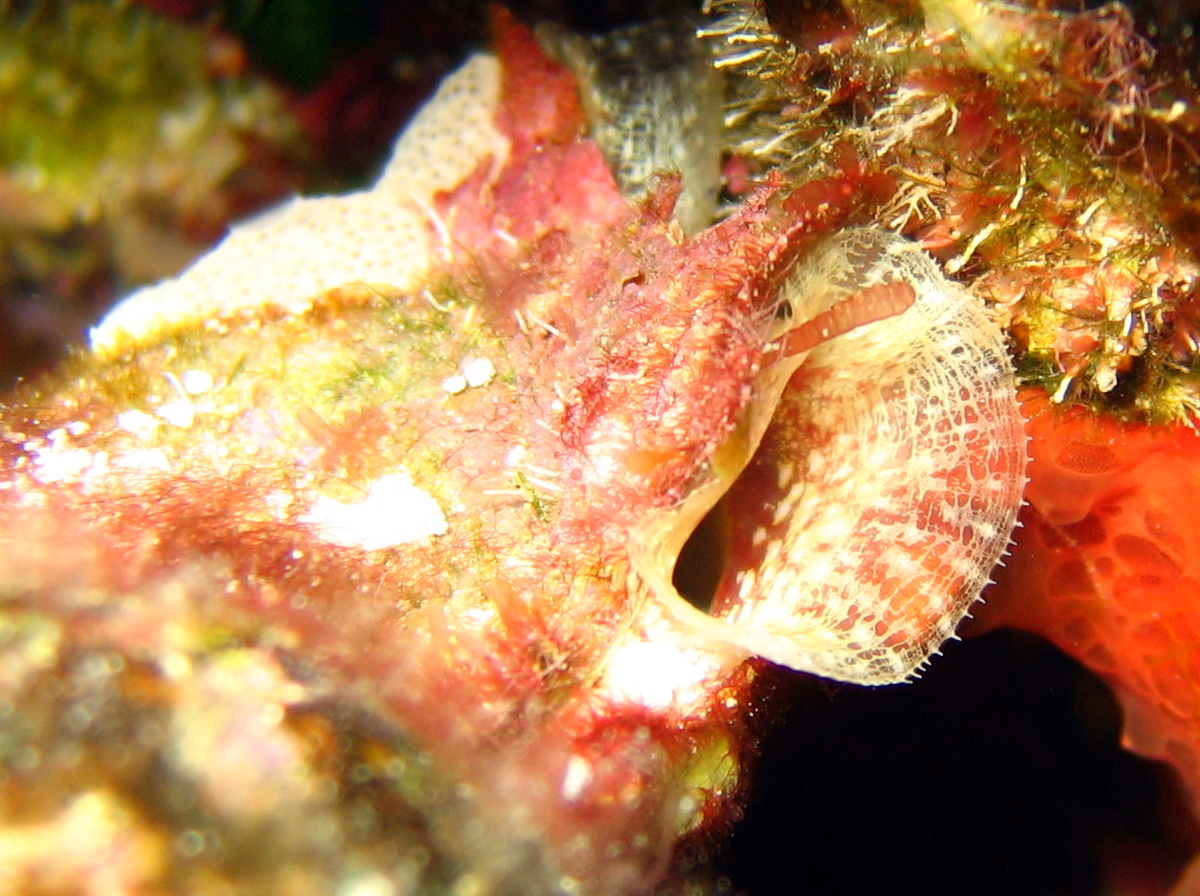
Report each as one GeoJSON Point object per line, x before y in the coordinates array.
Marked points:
{"type": "Point", "coordinates": [104, 100]}
{"type": "Point", "coordinates": [709, 776]}
{"type": "Point", "coordinates": [347, 389]}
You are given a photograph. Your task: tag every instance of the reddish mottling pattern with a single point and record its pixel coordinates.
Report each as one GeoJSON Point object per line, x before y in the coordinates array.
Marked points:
{"type": "Point", "coordinates": [617, 299]}
{"type": "Point", "coordinates": [629, 358]}
{"type": "Point", "coordinates": [552, 183]}
{"type": "Point", "coordinates": [536, 196]}
{"type": "Point", "coordinates": [461, 692]}
{"type": "Point", "coordinates": [540, 101]}
{"type": "Point", "coordinates": [1108, 568]}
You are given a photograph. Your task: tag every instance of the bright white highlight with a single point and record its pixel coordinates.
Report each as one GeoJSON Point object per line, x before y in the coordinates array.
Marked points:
{"type": "Point", "coordinates": [394, 512]}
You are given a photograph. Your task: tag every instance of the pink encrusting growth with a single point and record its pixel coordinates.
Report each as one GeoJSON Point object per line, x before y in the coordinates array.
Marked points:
{"type": "Point", "coordinates": [457, 497]}
{"type": "Point", "coordinates": [230, 456]}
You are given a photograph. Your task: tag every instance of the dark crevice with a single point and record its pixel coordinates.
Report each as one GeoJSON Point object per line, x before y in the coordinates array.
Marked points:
{"type": "Point", "coordinates": [999, 772]}
{"type": "Point", "coordinates": [701, 562]}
